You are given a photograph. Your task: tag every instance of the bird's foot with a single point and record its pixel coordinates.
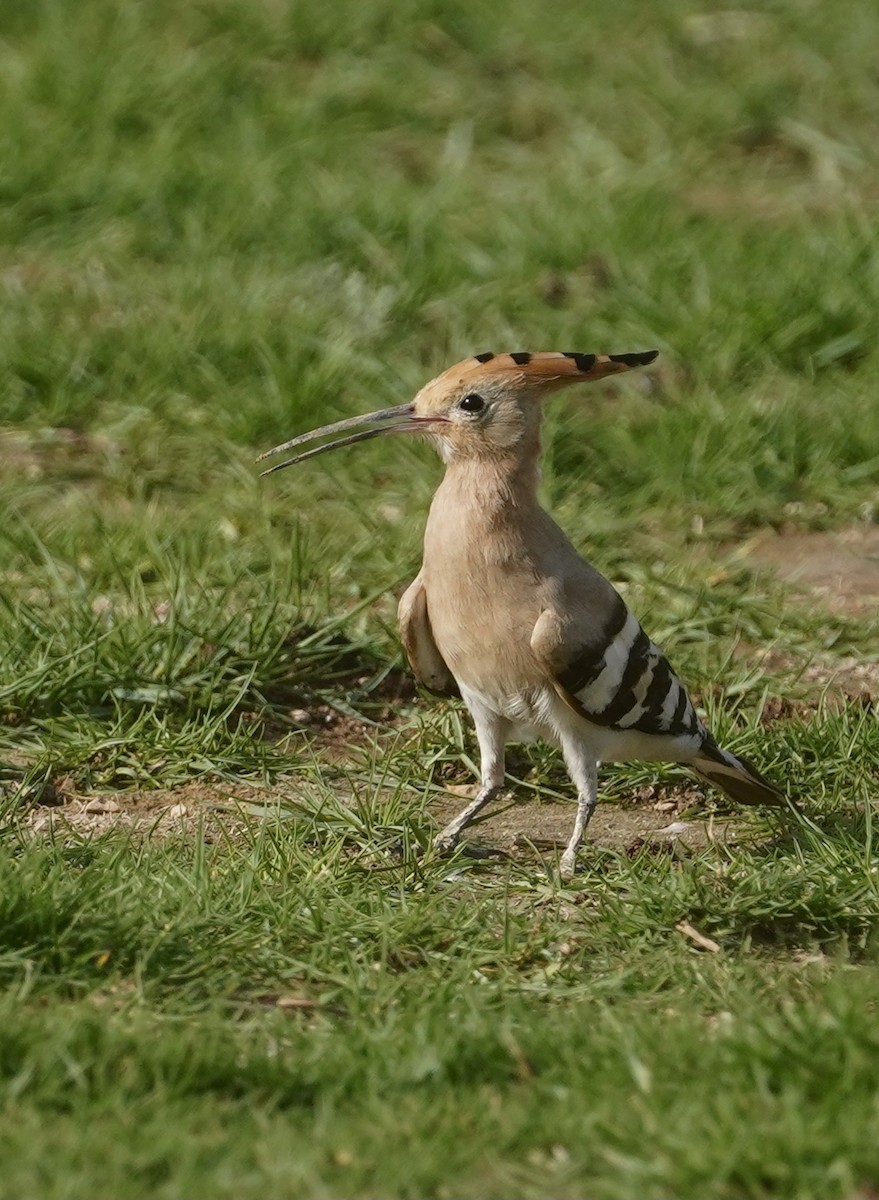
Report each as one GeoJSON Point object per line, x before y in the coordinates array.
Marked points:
{"type": "Point", "coordinates": [446, 841]}
{"type": "Point", "coordinates": [568, 865]}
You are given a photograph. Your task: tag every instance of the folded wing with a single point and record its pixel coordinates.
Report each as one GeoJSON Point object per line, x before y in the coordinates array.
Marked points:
{"type": "Point", "coordinates": [606, 669]}
{"type": "Point", "coordinates": [428, 665]}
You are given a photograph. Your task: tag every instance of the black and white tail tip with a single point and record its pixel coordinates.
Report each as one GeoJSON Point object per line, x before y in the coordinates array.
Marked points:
{"type": "Point", "coordinates": [735, 776]}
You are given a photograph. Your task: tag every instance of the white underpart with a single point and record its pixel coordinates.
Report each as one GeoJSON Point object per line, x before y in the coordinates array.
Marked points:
{"type": "Point", "coordinates": [620, 745]}
{"type": "Point", "coordinates": [548, 716]}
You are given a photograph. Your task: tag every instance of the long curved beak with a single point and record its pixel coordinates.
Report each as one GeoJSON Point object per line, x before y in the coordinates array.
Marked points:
{"type": "Point", "coordinates": [401, 419]}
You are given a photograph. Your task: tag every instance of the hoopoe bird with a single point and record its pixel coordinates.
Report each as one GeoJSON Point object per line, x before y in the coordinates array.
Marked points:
{"type": "Point", "coordinates": [506, 614]}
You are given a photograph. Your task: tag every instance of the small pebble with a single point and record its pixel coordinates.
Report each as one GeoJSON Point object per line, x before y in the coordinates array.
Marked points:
{"type": "Point", "coordinates": [675, 829]}
{"type": "Point", "coordinates": [101, 804]}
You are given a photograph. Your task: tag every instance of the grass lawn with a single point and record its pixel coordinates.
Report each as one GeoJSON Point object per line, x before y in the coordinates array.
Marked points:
{"type": "Point", "coordinates": [227, 966]}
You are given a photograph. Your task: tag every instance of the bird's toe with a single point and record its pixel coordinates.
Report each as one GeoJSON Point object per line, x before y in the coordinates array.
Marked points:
{"type": "Point", "coordinates": [567, 866]}
{"type": "Point", "coordinates": [445, 843]}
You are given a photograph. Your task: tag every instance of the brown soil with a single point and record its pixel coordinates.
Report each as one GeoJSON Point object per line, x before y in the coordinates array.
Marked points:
{"type": "Point", "coordinates": [211, 809]}
{"type": "Point", "coordinates": [839, 569]}
{"type": "Point", "coordinates": [515, 826]}
{"type": "Point", "coordinates": [660, 819]}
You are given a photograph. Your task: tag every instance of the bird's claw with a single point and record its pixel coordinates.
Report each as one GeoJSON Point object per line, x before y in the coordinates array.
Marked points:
{"type": "Point", "coordinates": [445, 843]}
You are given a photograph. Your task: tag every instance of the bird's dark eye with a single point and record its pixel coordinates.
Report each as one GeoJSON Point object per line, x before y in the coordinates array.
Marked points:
{"type": "Point", "coordinates": [472, 403]}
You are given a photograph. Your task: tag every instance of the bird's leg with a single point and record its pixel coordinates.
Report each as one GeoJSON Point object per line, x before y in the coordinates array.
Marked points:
{"type": "Point", "coordinates": [491, 731]}
{"type": "Point", "coordinates": [583, 770]}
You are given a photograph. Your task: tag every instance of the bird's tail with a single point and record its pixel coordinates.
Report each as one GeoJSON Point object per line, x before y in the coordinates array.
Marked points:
{"type": "Point", "coordinates": [735, 776]}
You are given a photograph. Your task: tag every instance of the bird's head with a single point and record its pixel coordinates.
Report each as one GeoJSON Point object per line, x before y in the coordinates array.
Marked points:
{"type": "Point", "coordinates": [483, 407]}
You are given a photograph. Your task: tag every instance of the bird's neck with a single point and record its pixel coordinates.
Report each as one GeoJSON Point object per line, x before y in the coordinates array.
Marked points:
{"type": "Point", "coordinates": [484, 513]}
{"type": "Point", "coordinates": [491, 487]}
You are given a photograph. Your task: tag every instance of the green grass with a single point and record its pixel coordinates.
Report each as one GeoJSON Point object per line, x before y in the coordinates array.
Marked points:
{"type": "Point", "coordinates": [223, 223]}
{"type": "Point", "coordinates": [457, 1031]}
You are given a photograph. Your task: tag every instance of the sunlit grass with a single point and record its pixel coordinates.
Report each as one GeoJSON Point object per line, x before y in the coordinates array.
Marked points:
{"type": "Point", "coordinates": [223, 223]}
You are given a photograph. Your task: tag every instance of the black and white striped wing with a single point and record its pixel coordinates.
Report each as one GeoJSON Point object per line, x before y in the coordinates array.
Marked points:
{"type": "Point", "coordinates": [623, 681]}
{"type": "Point", "coordinates": [615, 677]}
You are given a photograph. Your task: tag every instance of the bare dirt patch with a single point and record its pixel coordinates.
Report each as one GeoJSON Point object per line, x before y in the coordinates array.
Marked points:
{"type": "Point", "coordinates": [836, 681]}
{"type": "Point", "coordinates": [208, 809]}
{"type": "Point", "coordinates": [658, 818]}
{"type": "Point", "coordinates": [839, 568]}
{"type": "Point", "coordinates": [518, 826]}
